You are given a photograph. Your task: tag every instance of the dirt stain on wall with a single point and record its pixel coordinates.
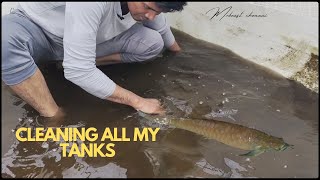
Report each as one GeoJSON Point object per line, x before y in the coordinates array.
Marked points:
{"type": "Point", "coordinates": [302, 60]}
{"type": "Point", "coordinates": [309, 74]}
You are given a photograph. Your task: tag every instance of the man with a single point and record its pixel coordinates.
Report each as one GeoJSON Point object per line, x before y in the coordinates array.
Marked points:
{"type": "Point", "coordinates": [84, 35]}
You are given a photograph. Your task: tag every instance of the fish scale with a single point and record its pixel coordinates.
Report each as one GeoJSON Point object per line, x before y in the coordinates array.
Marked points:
{"type": "Point", "coordinates": [220, 134]}
{"type": "Point", "coordinates": [234, 135]}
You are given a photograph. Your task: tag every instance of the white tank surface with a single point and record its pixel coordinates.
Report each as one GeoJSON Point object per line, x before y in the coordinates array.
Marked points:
{"type": "Point", "coordinates": [282, 36]}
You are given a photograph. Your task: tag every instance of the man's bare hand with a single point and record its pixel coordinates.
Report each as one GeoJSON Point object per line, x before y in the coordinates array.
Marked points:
{"type": "Point", "coordinates": [175, 47]}
{"type": "Point", "coordinates": [150, 106]}
{"type": "Point", "coordinates": [146, 105]}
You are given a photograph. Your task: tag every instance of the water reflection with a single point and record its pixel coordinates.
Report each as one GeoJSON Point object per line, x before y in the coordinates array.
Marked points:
{"type": "Point", "coordinates": [203, 80]}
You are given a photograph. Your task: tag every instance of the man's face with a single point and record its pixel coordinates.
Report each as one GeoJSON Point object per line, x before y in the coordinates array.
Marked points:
{"type": "Point", "coordinates": [143, 10]}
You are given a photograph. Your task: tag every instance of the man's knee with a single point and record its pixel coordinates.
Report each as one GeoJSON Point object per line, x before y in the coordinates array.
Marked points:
{"type": "Point", "coordinates": [19, 55]}
{"type": "Point", "coordinates": [154, 43]}
{"type": "Point", "coordinates": [17, 63]}
{"type": "Point", "coordinates": [146, 48]}
{"type": "Point", "coordinates": [14, 72]}
{"type": "Point", "coordinates": [156, 47]}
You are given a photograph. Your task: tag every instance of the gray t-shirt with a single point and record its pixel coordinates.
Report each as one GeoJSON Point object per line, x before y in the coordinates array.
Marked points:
{"type": "Point", "coordinates": [83, 25]}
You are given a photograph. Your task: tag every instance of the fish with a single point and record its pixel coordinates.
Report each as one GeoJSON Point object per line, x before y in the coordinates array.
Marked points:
{"type": "Point", "coordinates": [234, 135]}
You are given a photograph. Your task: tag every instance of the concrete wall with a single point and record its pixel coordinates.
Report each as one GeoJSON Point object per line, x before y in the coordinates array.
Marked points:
{"type": "Point", "coordinates": [280, 36]}
{"type": "Point", "coordinates": [277, 37]}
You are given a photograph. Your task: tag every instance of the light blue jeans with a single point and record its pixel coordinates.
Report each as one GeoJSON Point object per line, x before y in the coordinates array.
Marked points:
{"type": "Point", "coordinates": [25, 44]}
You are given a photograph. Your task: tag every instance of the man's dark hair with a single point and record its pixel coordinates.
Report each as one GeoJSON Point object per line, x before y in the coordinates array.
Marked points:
{"type": "Point", "coordinates": [171, 6]}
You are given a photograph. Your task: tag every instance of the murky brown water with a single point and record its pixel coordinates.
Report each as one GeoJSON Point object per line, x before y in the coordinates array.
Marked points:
{"type": "Point", "coordinates": [202, 79]}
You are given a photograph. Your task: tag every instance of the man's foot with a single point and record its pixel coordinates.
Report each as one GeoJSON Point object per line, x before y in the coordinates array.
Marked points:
{"type": "Point", "coordinates": [56, 121]}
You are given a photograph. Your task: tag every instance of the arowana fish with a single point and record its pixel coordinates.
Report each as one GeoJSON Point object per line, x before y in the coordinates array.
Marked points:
{"type": "Point", "coordinates": [257, 142]}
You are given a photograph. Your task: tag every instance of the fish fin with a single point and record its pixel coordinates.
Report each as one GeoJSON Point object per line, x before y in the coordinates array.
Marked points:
{"type": "Point", "coordinates": [254, 152]}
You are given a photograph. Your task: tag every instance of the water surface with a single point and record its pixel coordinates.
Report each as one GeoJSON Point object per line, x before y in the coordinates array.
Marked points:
{"type": "Point", "coordinates": [204, 78]}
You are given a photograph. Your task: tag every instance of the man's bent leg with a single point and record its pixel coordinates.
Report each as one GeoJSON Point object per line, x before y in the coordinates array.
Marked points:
{"type": "Point", "coordinates": [137, 44]}
{"type": "Point", "coordinates": [24, 43]}
{"type": "Point", "coordinates": [35, 92]}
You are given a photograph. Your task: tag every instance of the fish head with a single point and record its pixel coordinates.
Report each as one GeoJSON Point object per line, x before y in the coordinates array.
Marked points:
{"type": "Point", "coordinates": [154, 121]}
{"type": "Point", "coordinates": [283, 146]}
{"type": "Point", "coordinates": [277, 144]}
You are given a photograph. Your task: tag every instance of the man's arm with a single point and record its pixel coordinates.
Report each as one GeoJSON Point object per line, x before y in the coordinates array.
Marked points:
{"type": "Point", "coordinates": [123, 96]}
{"type": "Point", "coordinates": [175, 47]}
{"type": "Point", "coordinates": [82, 20]}
{"type": "Point", "coordinates": [160, 24]}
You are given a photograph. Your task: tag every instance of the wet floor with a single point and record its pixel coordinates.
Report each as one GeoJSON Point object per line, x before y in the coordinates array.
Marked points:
{"type": "Point", "coordinates": [203, 79]}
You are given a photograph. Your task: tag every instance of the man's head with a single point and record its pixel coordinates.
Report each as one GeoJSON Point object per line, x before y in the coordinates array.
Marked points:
{"type": "Point", "coordinates": [149, 10]}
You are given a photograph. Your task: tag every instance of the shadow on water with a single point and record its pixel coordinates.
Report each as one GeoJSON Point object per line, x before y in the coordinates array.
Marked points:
{"type": "Point", "coordinates": [203, 79]}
